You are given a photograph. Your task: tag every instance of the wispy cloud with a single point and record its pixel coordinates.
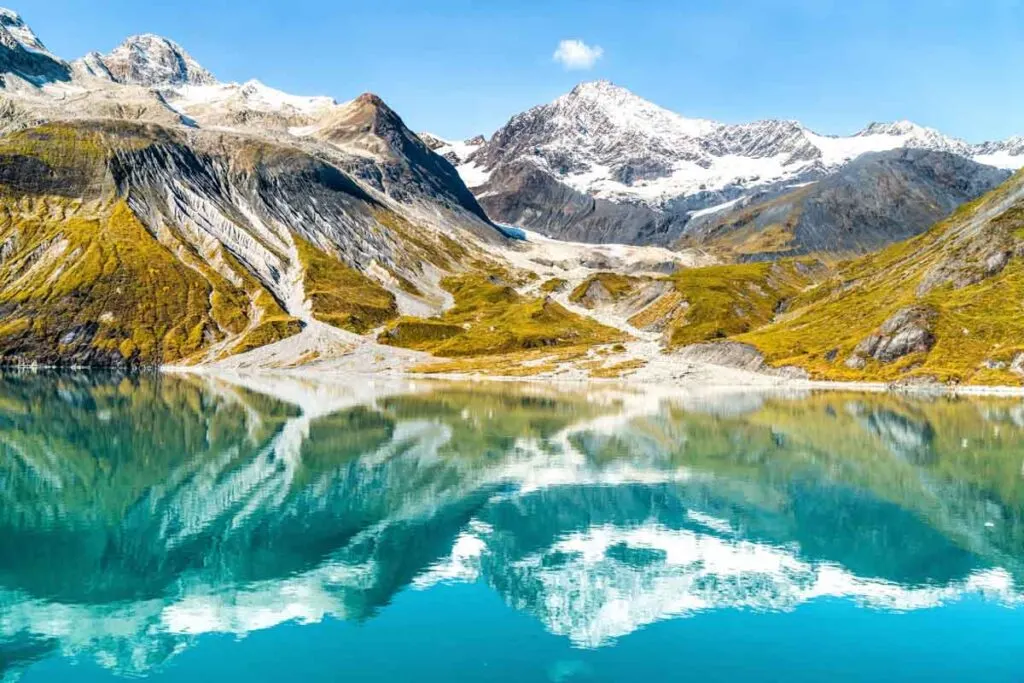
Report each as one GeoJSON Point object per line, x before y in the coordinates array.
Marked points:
{"type": "Point", "coordinates": [575, 54]}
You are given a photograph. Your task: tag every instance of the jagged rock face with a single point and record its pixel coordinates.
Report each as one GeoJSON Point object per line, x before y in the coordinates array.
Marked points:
{"type": "Point", "coordinates": [401, 164]}
{"type": "Point", "coordinates": [526, 196]}
{"type": "Point", "coordinates": [909, 330]}
{"type": "Point", "coordinates": [875, 200]}
{"type": "Point", "coordinates": [23, 54]}
{"type": "Point", "coordinates": [432, 141]}
{"type": "Point", "coordinates": [151, 60]}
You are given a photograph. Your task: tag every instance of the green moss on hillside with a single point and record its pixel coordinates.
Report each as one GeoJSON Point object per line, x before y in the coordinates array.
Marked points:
{"type": "Point", "coordinates": [979, 316]}
{"type": "Point", "coordinates": [342, 296]}
{"type": "Point", "coordinates": [98, 288]}
{"type": "Point", "coordinates": [616, 285]}
{"type": "Point", "coordinates": [268, 331]}
{"type": "Point", "coordinates": [726, 300]}
{"type": "Point", "coordinates": [490, 317]}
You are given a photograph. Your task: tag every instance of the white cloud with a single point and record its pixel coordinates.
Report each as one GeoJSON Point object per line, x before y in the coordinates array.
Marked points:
{"type": "Point", "coordinates": [575, 54]}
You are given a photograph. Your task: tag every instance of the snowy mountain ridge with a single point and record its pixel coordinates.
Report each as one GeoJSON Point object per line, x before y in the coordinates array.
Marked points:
{"type": "Point", "coordinates": [605, 141]}
{"type": "Point", "coordinates": [14, 30]}
{"type": "Point", "coordinates": [152, 60]}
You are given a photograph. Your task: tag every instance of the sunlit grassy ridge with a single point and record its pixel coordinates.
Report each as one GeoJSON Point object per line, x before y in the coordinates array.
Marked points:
{"type": "Point", "coordinates": [491, 317]}
{"type": "Point", "coordinates": [978, 302]}
{"type": "Point", "coordinates": [85, 282]}
{"type": "Point", "coordinates": [716, 302]}
{"type": "Point", "coordinates": [99, 288]}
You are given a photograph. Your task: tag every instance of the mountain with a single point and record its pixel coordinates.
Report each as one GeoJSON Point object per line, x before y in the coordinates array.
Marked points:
{"type": "Point", "coordinates": [150, 60]}
{"type": "Point", "coordinates": [602, 141]}
{"type": "Point", "coordinates": [23, 55]}
{"type": "Point", "coordinates": [942, 306]}
{"type": "Point", "coordinates": [149, 214]}
{"type": "Point", "coordinates": [367, 125]}
{"type": "Point", "coordinates": [870, 202]}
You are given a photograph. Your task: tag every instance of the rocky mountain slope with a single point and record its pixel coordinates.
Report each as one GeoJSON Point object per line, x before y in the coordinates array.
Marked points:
{"type": "Point", "coordinates": [945, 305]}
{"type": "Point", "coordinates": [874, 200]}
{"type": "Point", "coordinates": [137, 229]}
{"type": "Point", "coordinates": [658, 168]}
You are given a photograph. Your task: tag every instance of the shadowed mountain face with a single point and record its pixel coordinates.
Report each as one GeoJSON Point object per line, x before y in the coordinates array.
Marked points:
{"type": "Point", "coordinates": [873, 201]}
{"type": "Point", "coordinates": [176, 507]}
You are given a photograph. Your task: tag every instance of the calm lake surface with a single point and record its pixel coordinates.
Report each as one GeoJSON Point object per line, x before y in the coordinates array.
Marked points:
{"type": "Point", "coordinates": [279, 529]}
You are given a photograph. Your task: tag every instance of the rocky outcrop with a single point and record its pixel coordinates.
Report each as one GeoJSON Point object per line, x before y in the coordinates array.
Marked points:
{"type": "Point", "coordinates": [909, 330]}
{"type": "Point", "coordinates": [737, 355]}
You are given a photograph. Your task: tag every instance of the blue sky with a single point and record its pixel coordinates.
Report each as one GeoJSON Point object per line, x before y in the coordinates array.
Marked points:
{"type": "Point", "coordinates": [461, 67]}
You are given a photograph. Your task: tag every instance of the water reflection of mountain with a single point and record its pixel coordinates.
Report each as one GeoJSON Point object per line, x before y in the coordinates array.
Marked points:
{"type": "Point", "coordinates": [137, 514]}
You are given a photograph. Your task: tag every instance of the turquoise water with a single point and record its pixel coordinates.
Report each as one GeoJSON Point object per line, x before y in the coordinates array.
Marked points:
{"type": "Point", "coordinates": [273, 528]}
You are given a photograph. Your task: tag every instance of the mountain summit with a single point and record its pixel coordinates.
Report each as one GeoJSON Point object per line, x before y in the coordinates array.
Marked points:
{"type": "Point", "coordinates": [154, 61]}
{"type": "Point", "coordinates": [22, 53]}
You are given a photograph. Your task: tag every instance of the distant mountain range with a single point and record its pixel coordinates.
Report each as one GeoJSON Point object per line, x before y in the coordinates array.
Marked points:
{"type": "Point", "coordinates": [602, 164]}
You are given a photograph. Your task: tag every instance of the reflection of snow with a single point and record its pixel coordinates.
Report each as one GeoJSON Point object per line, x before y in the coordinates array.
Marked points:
{"type": "Point", "coordinates": [464, 562]}
{"type": "Point", "coordinates": [589, 582]}
{"type": "Point", "coordinates": [593, 595]}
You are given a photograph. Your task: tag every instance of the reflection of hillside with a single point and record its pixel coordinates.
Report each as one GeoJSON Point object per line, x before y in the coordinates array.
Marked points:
{"type": "Point", "coordinates": [173, 507]}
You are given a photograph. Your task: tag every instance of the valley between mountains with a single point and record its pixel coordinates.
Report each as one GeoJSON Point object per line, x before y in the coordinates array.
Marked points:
{"type": "Point", "coordinates": [151, 215]}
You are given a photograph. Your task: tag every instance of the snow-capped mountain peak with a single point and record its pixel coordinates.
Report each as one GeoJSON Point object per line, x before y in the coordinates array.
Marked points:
{"type": "Point", "coordinates": [916, 135]}
{"type": "Point", "coordinates": [15, 29]}
{"type": "Point", "coordinates": [24, 60]}
{"type": "Point", "coordinates": [153, 61]}
{"type": "Point", "coordinates": [627, 110]}
{"type": "Point", "coordinates": [605, 141]}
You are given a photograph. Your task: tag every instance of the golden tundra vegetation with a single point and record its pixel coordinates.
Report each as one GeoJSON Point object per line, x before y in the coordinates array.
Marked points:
{"type": "Point", "coordinates": [83, 281]}
{"type": "Point", "coordinates": [965, 273]}
{"type": "Point", "coordinates": [490, 317]}
{"type": "Point", "coordinates": [964, 277]}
